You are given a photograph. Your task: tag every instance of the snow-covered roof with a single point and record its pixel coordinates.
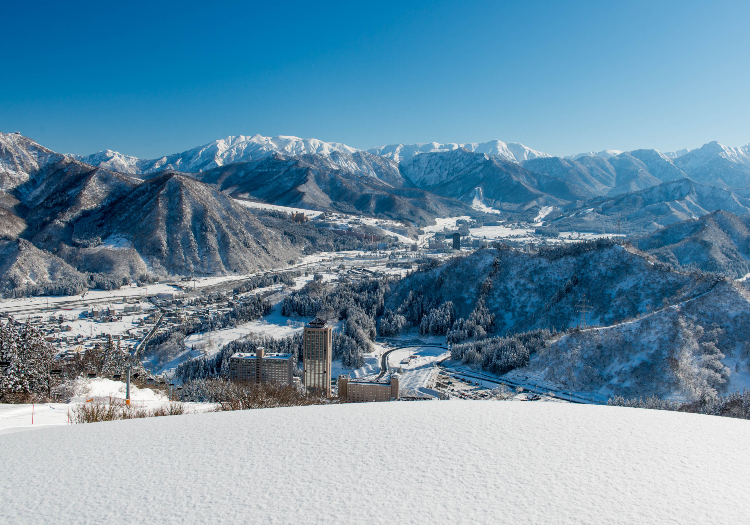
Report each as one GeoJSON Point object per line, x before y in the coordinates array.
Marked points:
{"type": "Point", "coordinates": [248, 355]}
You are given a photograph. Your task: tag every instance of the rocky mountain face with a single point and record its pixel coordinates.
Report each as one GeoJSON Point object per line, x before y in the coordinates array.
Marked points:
{"type": "Point", "coordinates": [21, 158]}
{"type": "Point", "coordinates": [717, 242]}
{"type": "Point", "coordinates": [718, 165]}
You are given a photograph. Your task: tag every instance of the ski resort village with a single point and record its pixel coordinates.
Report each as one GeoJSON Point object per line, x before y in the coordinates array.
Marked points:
{"type": "Point", "coordinates": [391, 316]}
{"type": "Point", "coordinates": [598, 340]}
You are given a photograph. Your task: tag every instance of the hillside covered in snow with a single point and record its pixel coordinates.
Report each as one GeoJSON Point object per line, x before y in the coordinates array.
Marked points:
{"type": "Point", "coordinates": [418, 462]}
{"type": "Point", "coordinates": [718, 242]}
{"type": "Point", "coordinates": [656, 331]}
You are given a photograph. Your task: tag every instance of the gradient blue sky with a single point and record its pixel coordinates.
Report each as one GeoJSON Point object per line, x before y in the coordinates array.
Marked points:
{"type": "Point", "coordinates": [560, 77]}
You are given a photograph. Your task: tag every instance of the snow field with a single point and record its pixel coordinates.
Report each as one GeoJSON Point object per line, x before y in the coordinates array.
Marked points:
{"type": "Point", "coordinates": [419, 373]}
{"type": "Point", "coordinates": [407, 462]}
{"type": "Point", "coordinates": [97, 297]}
{"type": "Point", "coordinates": [14, 418]}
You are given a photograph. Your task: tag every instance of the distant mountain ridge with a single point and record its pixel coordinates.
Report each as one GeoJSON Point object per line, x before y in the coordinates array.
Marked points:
{"type": "Point", "coordinates": [717, 242]}
{"type": "Point", "coordinates": [464, 175]}
{"type": "Point", "coordinates": [356, 183]}
{"type": "Point", "coordinates": [650, 209]}
{"type": "Point", "coordinates": [215, 154]}
{"type": "Point", "coordinates": [242, 148]}
{"type": "Point", "coordinates": [608, 172]}
{"type": "Point", "coordinates": [614, 173]}
{"type": "Point", "coordinates": [510, 151]}
{"type": "Point", "coordinates": [66, 226]}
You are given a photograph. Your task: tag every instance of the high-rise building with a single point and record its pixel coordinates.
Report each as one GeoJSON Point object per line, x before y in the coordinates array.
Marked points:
{"type": "Point", "coordinates": [316, 355]}
{"type": "Point", "coordinates": [456, 241]}
{"type": "Point", "coordinates": [261, 367]}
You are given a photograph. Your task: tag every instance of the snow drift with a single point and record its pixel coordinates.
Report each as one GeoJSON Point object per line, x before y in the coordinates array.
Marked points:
{"type": "Point", "coordinates": [420, 462]}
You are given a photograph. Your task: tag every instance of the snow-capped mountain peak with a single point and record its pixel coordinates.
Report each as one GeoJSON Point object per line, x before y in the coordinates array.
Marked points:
{"type": "Point", "coordinates": [709, 152]}
{"type": "Point", "coordinates": [229, 150]}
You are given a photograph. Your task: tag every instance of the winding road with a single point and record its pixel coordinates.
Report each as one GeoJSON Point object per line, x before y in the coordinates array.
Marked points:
{"type": "Point", "coordinates": [384, 357]}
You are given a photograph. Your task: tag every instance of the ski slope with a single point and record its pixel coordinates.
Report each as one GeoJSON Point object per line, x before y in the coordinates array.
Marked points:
{"type": "Point", "coordinates": [399, 462]}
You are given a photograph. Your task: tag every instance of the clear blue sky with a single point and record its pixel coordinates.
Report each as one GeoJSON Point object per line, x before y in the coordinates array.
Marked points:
{"type": "Point", "coordinates": [559, 77]}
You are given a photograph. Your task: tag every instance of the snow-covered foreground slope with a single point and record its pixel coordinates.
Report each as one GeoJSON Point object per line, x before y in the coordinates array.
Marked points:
{"type": "Point", "coordinates": [419, 462]}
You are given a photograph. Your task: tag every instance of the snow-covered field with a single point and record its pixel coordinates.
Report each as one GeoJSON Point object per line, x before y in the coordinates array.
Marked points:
{"type": "Point", "coordinates": [93, 296]}
{"type": "Point", "coordinates": [409, 462]}
{"type": "Point", "coordinates": [274, 325]}
{"type": "Point", "coordinates": [27, 417]}
{"type": "Point", "coordinates": [500, 232]}
{"type": "Point", "coordinates": [419, 373]}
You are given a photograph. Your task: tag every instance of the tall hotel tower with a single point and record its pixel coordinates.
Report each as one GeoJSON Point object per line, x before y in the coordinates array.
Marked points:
{"type": "Point", "coordinates": [316, 354]}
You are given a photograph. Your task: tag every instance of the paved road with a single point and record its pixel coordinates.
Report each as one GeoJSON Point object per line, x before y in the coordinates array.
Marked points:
{"type": "Point", "coordinates": [384, 357]}
{"type": "Point", "coordinates": [561, 394]}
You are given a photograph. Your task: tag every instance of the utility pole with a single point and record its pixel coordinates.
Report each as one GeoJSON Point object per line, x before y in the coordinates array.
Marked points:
{"type": "Point", "coordinates": [583, 308]}
{"type": "Point", "coordinates": [127, 387]}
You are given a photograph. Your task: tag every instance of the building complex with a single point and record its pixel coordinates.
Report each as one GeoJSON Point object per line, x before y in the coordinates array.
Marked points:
{"type": "Point", "coordinates": [366, 391]}
{"type": "Point", "coordinates": [262, 367]}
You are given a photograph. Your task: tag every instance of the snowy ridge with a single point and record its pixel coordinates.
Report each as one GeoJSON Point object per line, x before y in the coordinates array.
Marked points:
{"type": "Point", "coordinates": [605, 154]}
{"type": "Point", "coordinates": [674, 154]}
{"type": "Point", "coordinates": [220, 152]}
{"type": "Point", "coordinates": [703, 154]}
{"type": "Point", "coordinates": [510, 151]}
{"type": "Point", "coordinates": [20, 158]}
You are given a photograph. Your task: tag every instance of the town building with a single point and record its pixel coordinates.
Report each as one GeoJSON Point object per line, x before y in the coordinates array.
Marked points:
{"type": "Point", "coordinates": [262, 367]}
{"type": "Point", "coordinates": [317, 347]}
{"type": "Point", "coordinates": [456, 241]}
{"type": "Point", "coordinates": [299, 217]}
{"type": "Point", "coordinates": [368, 391]}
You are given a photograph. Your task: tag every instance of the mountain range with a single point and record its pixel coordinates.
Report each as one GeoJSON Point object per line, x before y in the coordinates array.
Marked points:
{"type": "Point", "coordinates": [115, 215]}
{"type": "Point", "coordinates": [67, 226]}
{"type": "Point", "coordinates": [648, 210]}
{"type": "Point", "coordinates": [609, 172]}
